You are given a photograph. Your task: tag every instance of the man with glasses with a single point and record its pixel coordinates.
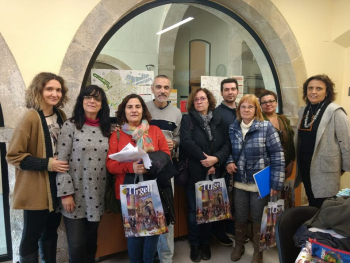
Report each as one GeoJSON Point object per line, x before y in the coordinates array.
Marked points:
{"type": "Point", "coordinates": [168, 118]}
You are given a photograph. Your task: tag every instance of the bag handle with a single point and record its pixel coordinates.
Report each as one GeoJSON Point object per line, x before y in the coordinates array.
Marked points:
{"type": "Point", "coordinates": [213, 177]}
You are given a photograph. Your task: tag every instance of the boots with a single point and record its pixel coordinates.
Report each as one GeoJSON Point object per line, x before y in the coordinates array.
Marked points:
{"type": "Point", "coordinates": [47, 250]}
{"type": "Point", "coordinates": [195, 253]}
{"type": "Point", "coordinates": [31, 258]}
{"type": "Point", "coordinates": [257, 256]}
{"type": "Point", "coordinates": [240, 233]}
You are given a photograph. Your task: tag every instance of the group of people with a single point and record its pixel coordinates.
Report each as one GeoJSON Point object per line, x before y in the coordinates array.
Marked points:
{"type": "Point", "coordinates": [61, 164]}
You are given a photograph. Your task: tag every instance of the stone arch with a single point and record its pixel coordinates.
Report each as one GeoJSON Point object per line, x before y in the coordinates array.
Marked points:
{"type": "Point", "coordinates": [264, 18]}
{"type": "Point", "coordinates": [12, 87]}
{"type": "Point", "coordinates": [117, 63]}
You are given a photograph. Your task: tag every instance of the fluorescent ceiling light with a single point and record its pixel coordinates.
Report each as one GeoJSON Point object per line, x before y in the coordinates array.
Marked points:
{"type": "Point", "coordinates": [176, 25]}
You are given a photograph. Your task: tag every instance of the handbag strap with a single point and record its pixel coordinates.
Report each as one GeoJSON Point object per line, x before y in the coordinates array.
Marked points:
{"type": "Point", "coordinates": [240, 152]}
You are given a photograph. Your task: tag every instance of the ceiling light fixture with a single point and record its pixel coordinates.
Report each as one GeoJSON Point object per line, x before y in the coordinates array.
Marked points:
{"type": "Point", "coordinates": [176, 25]}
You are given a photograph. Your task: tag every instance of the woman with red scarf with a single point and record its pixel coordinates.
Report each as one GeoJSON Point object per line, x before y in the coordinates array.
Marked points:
{"type": "Point", "coordinates": [133, 117]}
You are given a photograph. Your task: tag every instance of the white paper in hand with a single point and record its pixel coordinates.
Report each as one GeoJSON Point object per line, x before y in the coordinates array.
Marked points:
{"type": "Point", "coordinates": [131, 154]}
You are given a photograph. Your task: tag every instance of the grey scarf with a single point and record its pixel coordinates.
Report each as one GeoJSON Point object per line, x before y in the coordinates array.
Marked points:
{"type": "Point", "coordinates": [206, 120]}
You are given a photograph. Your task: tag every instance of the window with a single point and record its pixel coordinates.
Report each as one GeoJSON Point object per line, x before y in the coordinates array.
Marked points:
{"type": "Point", "coordinates": [215, 43]}
{"type": "Point", "coordinates": [5, 233]}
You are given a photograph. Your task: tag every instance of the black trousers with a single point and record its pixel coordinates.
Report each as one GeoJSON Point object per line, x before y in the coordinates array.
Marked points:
{"type": "Point", "coordinates": [82, 239]}
{"type": "Point", "coordinates": [38, 225]}
{"type": "Point", "coordinates": [305, 164]}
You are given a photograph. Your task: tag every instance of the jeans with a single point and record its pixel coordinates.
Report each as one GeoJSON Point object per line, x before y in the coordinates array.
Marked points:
{"type": "Point", "coordinates": [82, 240]}
{"type": "Point", "coordinates": [166, 242]}
{"type": "Point", "coordinates": [38, 225]}
{"type": "Point", "coordinates": [142, 249]}
{"type": "Point", "coordinates": [198, 234]}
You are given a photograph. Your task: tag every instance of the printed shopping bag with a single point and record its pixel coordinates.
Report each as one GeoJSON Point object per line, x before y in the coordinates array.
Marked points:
{"type": "Point", "coordinates": [212, 201]}
{"type": "Point", "coordinates": [288, 194]}
{"type": "Point", "coordinates": [267, 232]}
{"type": "Point", "coordinates": [142, 209]}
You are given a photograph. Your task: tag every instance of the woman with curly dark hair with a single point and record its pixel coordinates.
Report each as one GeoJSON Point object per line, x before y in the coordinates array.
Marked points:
{"type": "Point", "coordinates": [323, 141]}
{"type": "Point", "coordinates": [32, 152]}
{"type": "Point", "coordinates": [83, 142]}
{"type": "Point", "coordinates": [206, 145]}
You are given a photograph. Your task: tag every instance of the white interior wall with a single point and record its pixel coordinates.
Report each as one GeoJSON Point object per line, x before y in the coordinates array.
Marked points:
{"type": "Point", "coordinates": [136, 42]}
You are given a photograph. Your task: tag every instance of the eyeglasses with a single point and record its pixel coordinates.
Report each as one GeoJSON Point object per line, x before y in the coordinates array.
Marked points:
{"type": "Point", "coordinates": [202, 99]}
{"type": "Point", "coordinates": [250, 107]}
{"type": "Point", "coordinates": [266, 102]}
{"type": "Point", "coordinates": [95, 98]}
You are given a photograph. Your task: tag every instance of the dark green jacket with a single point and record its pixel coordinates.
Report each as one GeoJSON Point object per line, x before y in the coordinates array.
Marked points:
{"type": "Point", "coordinates": [288, 146]}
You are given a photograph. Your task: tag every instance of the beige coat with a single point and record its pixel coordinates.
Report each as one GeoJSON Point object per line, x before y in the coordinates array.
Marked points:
{"type": "Point", "coordinates": [32, 188]}
{"type": "Point", "coordinates": [331, 154]}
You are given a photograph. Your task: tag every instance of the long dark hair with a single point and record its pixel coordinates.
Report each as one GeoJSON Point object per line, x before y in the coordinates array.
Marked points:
{"type": "Point", "coordinates": [120, 114]}
{"type": "Point", "coordinates": [78, 117]}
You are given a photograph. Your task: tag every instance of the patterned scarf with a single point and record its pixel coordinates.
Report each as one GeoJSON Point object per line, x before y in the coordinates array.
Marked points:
{"type": "Point", "coordinates": [206, 119]}
{"type": "Point", "coordinates": [140, 135]}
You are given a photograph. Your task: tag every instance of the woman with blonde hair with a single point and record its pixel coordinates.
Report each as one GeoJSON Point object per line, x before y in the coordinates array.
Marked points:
{"type": "Point", "coordinates": [32, 151]}
{"type": "Point", "coordinates": [255, 145]}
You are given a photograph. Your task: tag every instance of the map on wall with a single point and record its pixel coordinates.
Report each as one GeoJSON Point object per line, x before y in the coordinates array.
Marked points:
{"type": "Point", "coordinates": [119, 83]}
{"type": "Point", "coordinates": [213, 83]}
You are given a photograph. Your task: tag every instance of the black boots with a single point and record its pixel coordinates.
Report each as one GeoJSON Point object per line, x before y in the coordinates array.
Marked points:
{"type": "Point", "coordinates": [47, 250]}
{"type": "Point", "coordinates": [205, 252]}
{"type": "Point", "coordinates": [195, 254]}
{"type": "Point", "coordinates": [198, 253]}
{"type": "Point", "coordinates": [31, 258]}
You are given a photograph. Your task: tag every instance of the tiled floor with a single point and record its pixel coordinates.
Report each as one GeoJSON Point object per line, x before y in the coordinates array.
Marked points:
{"type": "Point", "coordinates": [219, 254]}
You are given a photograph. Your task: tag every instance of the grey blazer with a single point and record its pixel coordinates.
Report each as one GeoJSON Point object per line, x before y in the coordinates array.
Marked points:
{"type": "Point", "coordinates": [331, 154]}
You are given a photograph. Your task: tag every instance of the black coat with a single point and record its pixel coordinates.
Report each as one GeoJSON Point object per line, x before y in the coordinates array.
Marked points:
{"type": "Point", "coordinates": [195, 140]}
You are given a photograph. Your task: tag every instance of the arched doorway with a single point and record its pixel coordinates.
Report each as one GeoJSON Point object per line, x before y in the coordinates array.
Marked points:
{"type": "Point", "coordinates": [273, 31]}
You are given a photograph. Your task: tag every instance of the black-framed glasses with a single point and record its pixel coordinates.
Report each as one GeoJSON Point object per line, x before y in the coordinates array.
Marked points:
{"type": "Point", "coordinates": [267, 102]}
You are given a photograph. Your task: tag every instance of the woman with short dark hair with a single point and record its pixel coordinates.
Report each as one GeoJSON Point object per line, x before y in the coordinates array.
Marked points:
{"type": "Point", "coordinates": [323, 141]}
{"type": "Point", "coordinates": [83, 142]}
{"type": "Point", "coordinates": [133, 118]}
{"type": "Point", "coordinates": [206, 146]}
{"type": "Point", "coordinates": [268, 103]}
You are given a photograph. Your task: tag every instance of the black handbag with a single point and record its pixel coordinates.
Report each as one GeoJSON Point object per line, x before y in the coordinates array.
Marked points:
{"type": "Point", "coordinates": [182, 176]}
{"type": "Point", "coordinates": [111, 202]}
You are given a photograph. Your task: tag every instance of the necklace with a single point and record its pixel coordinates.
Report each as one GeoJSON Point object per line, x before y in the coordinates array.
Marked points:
{"type": "Point", "coordinates": [313, 118]}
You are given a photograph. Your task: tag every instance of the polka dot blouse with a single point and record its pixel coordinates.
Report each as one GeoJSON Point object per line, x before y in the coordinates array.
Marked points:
{"type": "Point", "coordinates": [86, 152]}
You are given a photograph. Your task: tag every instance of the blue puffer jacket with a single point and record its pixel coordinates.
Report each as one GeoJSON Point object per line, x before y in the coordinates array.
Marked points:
{"type": "Point", "coordinates": [263, 148]}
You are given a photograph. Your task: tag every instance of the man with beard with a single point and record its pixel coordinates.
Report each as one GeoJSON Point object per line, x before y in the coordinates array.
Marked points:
{"type": "Point", "coordinates": [168, 118]}
{"type": "Point", "coordinates": [227, 109]}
